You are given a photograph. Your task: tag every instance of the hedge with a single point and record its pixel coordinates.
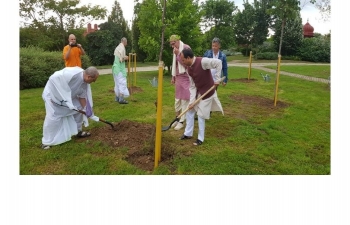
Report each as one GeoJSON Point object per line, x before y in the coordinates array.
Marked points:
{"type": "Point", "coordinates": [37, 65]}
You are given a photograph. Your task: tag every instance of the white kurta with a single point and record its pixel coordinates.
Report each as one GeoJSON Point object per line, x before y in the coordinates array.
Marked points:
{"type": "Point", "coordinates": [65, 87]}
{"type": "Point", "coordinates": [212, 103]}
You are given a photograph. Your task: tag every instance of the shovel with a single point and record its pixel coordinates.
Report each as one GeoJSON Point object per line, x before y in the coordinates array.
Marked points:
{"type": "Point", "coordinates": [82, 112]}
{"type": "Point", "coordinates": [177, 119]}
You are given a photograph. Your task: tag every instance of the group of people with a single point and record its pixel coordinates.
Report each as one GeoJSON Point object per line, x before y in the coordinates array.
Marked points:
{"type": "Point", "coordinates": [193, 77]}
{"type": "Point", "coordinates": [68, 98]}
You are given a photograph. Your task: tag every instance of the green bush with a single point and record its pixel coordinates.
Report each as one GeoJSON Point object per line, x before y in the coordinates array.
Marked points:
{"type": "Point", "coordinates": [267, 46]}
{"type": "Point", "coordinates": [266, 55]}
{"type": "Point", "coordinates": [246, 51]}
{"type": "Point", "coordinates": [290, 57]}
{"type": "Point", "coordinates": [37, 65]}
{"type": "Point", "coordinates": [317, 49]}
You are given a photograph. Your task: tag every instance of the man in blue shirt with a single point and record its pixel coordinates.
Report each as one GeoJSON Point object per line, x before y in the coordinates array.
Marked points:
{"type": "Point", "coordinates": [217, 54]}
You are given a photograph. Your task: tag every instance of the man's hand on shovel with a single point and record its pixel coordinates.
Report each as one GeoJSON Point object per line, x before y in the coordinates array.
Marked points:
{"type": "Point", "coordinates": [193, 104]}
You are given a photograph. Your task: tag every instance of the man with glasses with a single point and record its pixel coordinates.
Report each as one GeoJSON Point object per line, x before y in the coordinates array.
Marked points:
{"type": "Point", "coordinates": [180, 79]}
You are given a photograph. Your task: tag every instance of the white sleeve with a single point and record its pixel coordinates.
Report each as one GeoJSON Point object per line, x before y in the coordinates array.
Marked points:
{"type": "Point", "coordinates": [211, 63]}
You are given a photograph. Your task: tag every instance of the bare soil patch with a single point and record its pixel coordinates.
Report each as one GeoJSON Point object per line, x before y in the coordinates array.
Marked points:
{"type": "Point", "coordinates": [138, 138]}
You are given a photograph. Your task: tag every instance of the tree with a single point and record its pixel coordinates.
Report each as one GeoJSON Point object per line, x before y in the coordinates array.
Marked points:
{"type": "Point", "coordinates": [283, 10]}
{"type": "Point", "coordinates": [135, 34]}
{"type": "Point", "coordinates": [263, 20]}
{"type": "Point", "coordinates": [218, 19]}
{"type": "Point", "coordinates": [184, 22]}
{"type": "Point", "coordinates": [252, 24]}
{"type": "Point", "coordinates": [101, 43]}
{"type": "Point", "coordinates": [118, 18]}
{"type": "Point", "coordinates": [244, 26]}
{"type": "Point", "coordinates": [324, 6]}
{"type": "Point", "coordinates": [292, 35]}
{"type": "Point", "coordinates": [54, 18]}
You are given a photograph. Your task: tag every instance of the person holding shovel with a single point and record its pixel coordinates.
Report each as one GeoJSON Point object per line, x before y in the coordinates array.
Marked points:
{"type": "Point", "coordinates": [67, 91]}
{"type": "Point", "coordinates": [201, 81]}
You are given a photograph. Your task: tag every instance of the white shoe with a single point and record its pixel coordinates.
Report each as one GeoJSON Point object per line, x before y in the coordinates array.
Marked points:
{"type": "Point", "coordinates": [174, 124]}
{"type": "Point", "coordinates": [179, 126]}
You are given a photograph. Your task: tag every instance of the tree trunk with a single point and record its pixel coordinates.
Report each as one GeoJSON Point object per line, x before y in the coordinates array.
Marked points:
{"type": "Point", "coordinates": [281, 38]}
{"type": "Point", "coordinates": [163, 28]}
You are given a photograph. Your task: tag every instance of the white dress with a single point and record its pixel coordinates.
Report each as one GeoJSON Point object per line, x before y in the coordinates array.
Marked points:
{"type": "Point", "coordinates": [61, 122]}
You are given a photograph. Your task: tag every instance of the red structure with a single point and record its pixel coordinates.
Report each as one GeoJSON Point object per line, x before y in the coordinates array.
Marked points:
{"type": "Point", "coordinates": [308, 30]}
{"type": "Point", "coordinates": [89, 29]}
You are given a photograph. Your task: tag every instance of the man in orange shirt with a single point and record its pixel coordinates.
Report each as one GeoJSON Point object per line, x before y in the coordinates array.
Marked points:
{"type": "Point", "coordinates": [72, 52]}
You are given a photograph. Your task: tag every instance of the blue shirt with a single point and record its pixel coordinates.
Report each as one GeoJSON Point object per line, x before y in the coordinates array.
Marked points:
{"type": "Point", "coordinates": [222, 57]}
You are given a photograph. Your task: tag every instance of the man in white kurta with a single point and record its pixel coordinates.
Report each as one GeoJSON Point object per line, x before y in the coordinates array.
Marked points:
{"type": "Point", "coordinates": [119, 72]}
{"type": "Point", "coordinates": [201, 80]}
{"type": "Point", "coordinates": [67, 90]}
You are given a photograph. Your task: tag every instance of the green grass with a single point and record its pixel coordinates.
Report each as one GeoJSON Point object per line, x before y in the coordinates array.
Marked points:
{"type": "Point", "coordinates": [249, 139]}
{"type": "Point", "coordinates": [320, 71]}
{"type": "Point", "coordinates": [245, 59]}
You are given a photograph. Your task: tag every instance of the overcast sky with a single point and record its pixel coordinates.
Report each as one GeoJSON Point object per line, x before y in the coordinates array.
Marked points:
{"type": "Point", "coordinates": [308, 12]}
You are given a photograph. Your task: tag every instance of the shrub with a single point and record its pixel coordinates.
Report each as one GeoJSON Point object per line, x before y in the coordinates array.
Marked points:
{"type": "Point", "coordinates": [266, 55]}
{"type": "Point", "coordinates": [290, 57]}
{"type": "Point", "coordinates": [246, 51]}
{"type": "Point", "coordinates": [267, 46]}
{"type": "Point", "coordinates": [37, 65]}
{"type": "Point", "coordinates": [317, 49]}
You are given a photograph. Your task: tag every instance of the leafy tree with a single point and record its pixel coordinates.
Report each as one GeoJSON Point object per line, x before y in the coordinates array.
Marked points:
{"type": "Point", "coordinates": [54, 18]}
{"type": "Point", "coordinates": [118, 18]}
{"type": "Point", "coordinates": [101, 43]}
{"type": "Point", "coordinates": [149, 24]}
{"type": "Point", "coordinates": [292, 35]}
{"type": "Point", "coordinates": [281, 11]}
{"type": "Point", "coordinates": [324, 6]}
{"type": "Point", "coordinates": [244, 26]}
{"type": "Point", "coordinates": [184, 22]}
{"type": "Point", "coordinates": [218, 17]}
{"type": "Point", "coordinates": [135, 34]}
{"type": "Point", "coordinates": [315, 49]}
{"type": "Point", "coordinates": [263, 20]}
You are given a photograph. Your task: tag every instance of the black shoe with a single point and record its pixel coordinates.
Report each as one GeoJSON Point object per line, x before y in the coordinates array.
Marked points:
{"type": "Point", "coordinates": [123, 101]}
{"type": "Point", "coordinates": [183, 137]}
{"type": "Point", "coordinates": [198, 142]}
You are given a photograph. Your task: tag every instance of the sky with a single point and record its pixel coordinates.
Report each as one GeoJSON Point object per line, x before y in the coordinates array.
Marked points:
{"type": "Point", "coordinates": [308, 12]}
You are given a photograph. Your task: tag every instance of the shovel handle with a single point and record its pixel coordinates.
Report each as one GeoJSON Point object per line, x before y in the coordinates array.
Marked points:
{"type": "Point", "coordinates": [200, 98]}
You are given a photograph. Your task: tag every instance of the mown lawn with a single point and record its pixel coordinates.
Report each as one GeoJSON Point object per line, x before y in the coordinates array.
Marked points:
{"type": "Point", "coordinates": [320, 71]}
{"type": "Point", "coordinates": [251, 138]}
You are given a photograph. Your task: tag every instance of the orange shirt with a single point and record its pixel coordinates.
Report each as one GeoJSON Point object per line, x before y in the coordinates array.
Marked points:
{"type": "Point", "coordinates": [73, 58]}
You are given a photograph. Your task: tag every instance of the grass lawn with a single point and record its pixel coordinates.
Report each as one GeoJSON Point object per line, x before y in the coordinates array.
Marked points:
{"type": "Point", "coordinates": [253, 137]}
{"type": "Point", "coordinates": [320, 71]}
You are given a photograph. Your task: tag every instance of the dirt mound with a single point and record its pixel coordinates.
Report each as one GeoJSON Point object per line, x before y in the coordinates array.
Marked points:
{"type": "Point", "coordinates": [138, 138]}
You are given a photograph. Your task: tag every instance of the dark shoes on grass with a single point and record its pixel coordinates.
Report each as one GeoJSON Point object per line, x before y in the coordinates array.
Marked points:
{"type": "Point", "coordinates": [82, 134]}
{"type": "Point", "coordinates": [121, 100]}
{"type": "Point", "coordinates": [183, 137]}
{"type": "Point", "coordinates": [198, 142]}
